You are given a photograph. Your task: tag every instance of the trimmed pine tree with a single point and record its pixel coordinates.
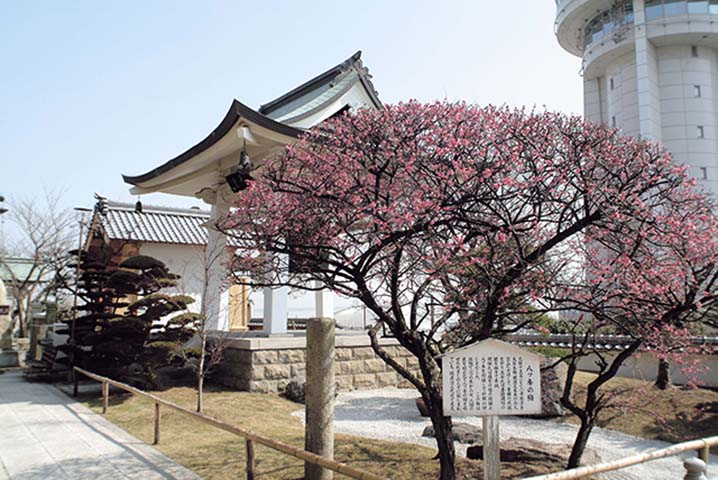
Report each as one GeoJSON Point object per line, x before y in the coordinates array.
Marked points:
{"type": "Point", "coordinates": [129, 326]}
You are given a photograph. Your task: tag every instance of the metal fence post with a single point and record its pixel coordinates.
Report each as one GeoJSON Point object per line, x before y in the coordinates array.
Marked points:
{"type": "Point", "coordinates": [695, 469]}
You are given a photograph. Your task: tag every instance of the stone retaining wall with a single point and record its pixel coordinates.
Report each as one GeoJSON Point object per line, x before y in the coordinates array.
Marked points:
{"type": "Point", "coordinates": [259, 367]}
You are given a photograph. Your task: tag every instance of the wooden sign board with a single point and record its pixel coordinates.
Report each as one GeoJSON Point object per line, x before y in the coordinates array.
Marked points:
{"type": "Point", "coordinates": [489, 378]}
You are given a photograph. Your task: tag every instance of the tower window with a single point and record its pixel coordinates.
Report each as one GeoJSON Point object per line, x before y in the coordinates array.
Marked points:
{"type": "Point", "coordinates": [696, 90]}
{"type": "Point", "coordinates": [694, 51]}
{"type": "Point", "coordinates": [704, 173]}
{"type": "Point", "coordinates": [613, 121]}
{"type": "Point", "coordinates": [701, 132]}
{"type": "Point", "coordinates": [699, 7]}
{"type": "Point", "coordinates": [612, 84]}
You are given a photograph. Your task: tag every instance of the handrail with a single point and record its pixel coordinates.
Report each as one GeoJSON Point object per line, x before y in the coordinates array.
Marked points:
{"type": "Point", "coordinates": [247, 434]}
{"type": "Point", "coordinates": [701, 445]}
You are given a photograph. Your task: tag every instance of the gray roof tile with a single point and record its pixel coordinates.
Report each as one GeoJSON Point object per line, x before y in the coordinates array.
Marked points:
{"type": "Point", "coordinates": [155, 224]}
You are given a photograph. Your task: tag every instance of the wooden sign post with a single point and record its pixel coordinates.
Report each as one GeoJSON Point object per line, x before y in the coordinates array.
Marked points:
{"type": "Point", "coordinates": [488, 379]}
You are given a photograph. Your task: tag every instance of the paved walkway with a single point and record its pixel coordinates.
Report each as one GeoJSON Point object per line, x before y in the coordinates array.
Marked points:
{"type": "Point", "coordinates": [44, 434]}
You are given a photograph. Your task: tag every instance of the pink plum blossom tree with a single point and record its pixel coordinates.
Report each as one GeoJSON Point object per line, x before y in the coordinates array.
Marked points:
{"type": "Point", "coordinates": [645, 276]}
{"type": "Point", "coordinates": [454, 223]}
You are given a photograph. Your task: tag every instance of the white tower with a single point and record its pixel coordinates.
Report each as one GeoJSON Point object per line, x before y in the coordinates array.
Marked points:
{"type": "Point", "coordinates": [650, 67]}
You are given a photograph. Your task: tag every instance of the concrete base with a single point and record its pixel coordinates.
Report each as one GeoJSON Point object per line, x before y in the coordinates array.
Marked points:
{"type": "Point", "coordinates": [12, 358]}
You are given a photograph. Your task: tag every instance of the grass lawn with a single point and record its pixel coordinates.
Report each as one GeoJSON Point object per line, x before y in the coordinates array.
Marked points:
{"type": "Point", "coordinates": [215, 454]}
{"type": "Point", "coordinates": [674, 415]}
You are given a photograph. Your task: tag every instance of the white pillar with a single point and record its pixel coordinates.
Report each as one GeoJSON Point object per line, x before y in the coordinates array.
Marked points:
{"type": "Point", "coordinates": [323, 302]}
{"type": "Point", "coordinates": [649, 105]}
{"type": "Point", "coordinates": [216, 259]}
{"type": "Point", "coordinates": [275, 310]}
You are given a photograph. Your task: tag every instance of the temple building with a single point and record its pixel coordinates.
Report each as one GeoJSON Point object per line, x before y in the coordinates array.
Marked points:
{"type": "Point", "coordinates": [216, 166]}
{"type": "Point", "coordinates": [178, 237]}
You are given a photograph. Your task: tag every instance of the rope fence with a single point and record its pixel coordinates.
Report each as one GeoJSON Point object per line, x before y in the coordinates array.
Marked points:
{"type": "Point", "coordinates": [248, 435]}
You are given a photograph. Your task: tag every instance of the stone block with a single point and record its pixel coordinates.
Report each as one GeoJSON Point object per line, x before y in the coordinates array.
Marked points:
{"type": "Point", "coordinates": [345, 382]}
{"type": "Point", "coordinates": [374, 365]}
{"type": "Point", "coordinates": [346, 368]}
{"type": "Point", "coordinates": [552, 382]}
{"type": "Point", "coordinates": [463, 432]}
{"type": "Point", "coordinates": [263, 386]}
{"type": "Point", "coordinates": [298, 370]}
{"type": "Point", "coordinates": [277, 372]}
{"type": "Point", "coordinates": [263, 357]}
{"type": "Point", "coordinates": [404, 383]}
{"type": "Point", "coordinates": [386, 379]}
{"type": "Point", "coordinates": [342, 354]}
{"type": "Point", "coordinates": [256, 372]}
{"type": "Point", "coordinates": [412, 363]}
{"type": "Point", "coordinates": [290, 356]}
{"type": "Point", "coordinates": [365, 380]}
{"type": "Point", "coordinates": [363, 352]}
{"type": "Point", "coordinates": [397, 351]}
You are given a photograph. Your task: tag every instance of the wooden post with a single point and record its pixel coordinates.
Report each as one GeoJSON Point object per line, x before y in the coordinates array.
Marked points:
{"type": "Point", "coordinates": [157, 424]}
{"type": "Point", "coordinates": [705, 453]}
{"type": "Point", "coordinates": [492, 458]}
{"type": "Point", "coordinates": [74, 382]}
{"type": "Point", "coordinates": [105, 396]}
{"type": "Point", "coordinates": [250, 460]}
{"type": "Point", "coordinates": [319, 429]}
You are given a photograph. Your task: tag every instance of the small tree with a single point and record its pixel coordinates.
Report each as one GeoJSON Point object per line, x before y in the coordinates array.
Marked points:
{"type": "Point", "coordinates": [211, 350]}
{"type": "Point", "coordinates": [479, 211]}
{"type": "Point", "coordinates": [45, 234]}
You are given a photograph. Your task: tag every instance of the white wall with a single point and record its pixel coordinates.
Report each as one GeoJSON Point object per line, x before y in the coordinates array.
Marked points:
{"type": "Point", "coordinates": [682, 112]}
{"type": "Point", "coordinates": [187, 261]}
{"type": "Point", "coordinates": [644, 366]}
{"type": "Point", "coordinates": [183, 260]}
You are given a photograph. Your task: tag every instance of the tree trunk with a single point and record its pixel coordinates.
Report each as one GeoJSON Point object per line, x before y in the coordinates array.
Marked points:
{"type": "Point", "coordinates": [663, 379]}
{"type": "Point", "coordinates": [200, 372]}
{"type": "Point", "coordinates": [21, 318]}
{"type": "Point", "coordinates": [579, 445]}
{"type": "Point", "coordinates": [444, 437]}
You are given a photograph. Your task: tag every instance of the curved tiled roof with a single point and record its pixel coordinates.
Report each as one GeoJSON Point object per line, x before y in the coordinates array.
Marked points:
{"type": "Point", "coordinates": [275, 115]}
{"type": "Point", "coordinates": [236, 111]}
{"type": "Point", "coordinates": [272, 109]}
{"type": "Point", "coordinates": [594, 342]}
{"type": "Point", "coordinates": [154, 224]}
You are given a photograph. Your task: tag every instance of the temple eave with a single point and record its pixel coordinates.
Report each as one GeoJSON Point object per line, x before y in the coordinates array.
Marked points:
{"type": "Point", "coordinates": [241, 125]}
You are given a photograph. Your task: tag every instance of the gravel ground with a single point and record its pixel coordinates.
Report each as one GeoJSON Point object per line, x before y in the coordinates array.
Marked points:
{"type": "Point", "coordinates": [390, 414]}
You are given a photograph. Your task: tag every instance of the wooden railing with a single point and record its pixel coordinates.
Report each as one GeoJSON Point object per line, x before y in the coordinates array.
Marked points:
{"type": "Point", "coordinates": [248, 435]}
{"type": "Point", "coordinates": [702, 446]}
